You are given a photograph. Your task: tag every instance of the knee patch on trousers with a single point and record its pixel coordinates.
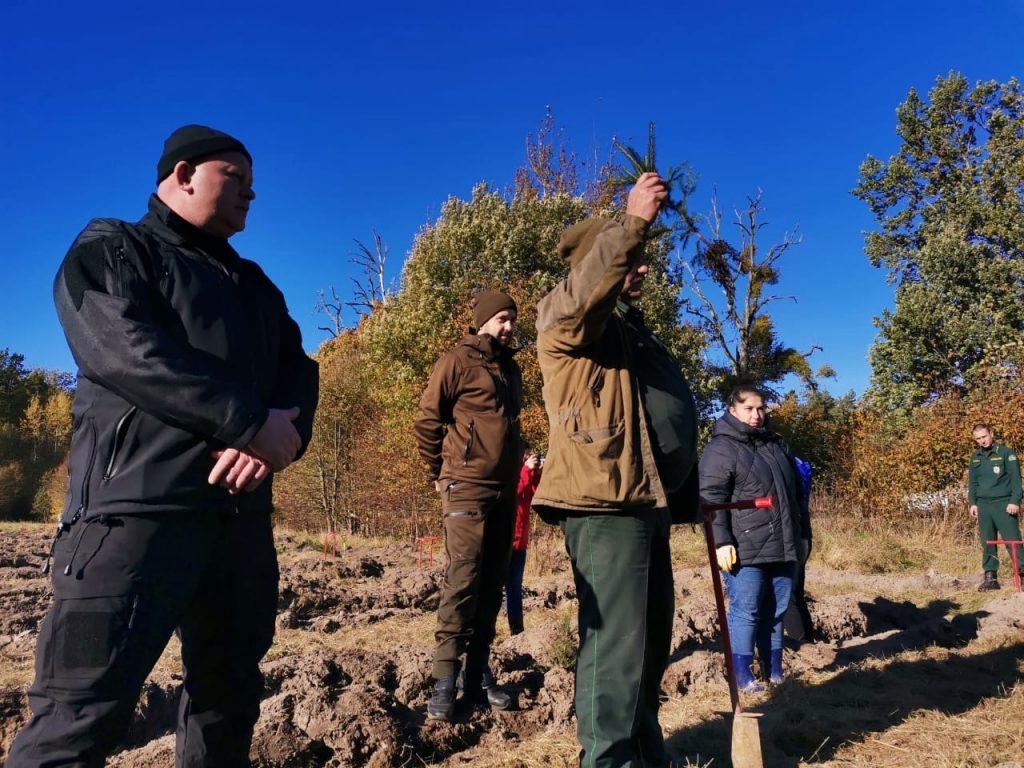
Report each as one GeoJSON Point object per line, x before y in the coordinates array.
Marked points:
{"type": "Point", "coordinates": [85, 640]}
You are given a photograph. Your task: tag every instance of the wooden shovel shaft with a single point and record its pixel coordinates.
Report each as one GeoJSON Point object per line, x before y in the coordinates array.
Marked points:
{"type": "Point", "coordinates": [746, 734]}
{"type": "Point", "coordinates": [723, 624]}
{"type": "Point", "coordinates": [707, 508]}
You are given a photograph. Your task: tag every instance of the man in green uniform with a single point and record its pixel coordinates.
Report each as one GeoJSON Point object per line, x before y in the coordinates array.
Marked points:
{"type": "Point", "coordinates": [994, 493]}
{"type": "Point", "coordinates": [621, 465]}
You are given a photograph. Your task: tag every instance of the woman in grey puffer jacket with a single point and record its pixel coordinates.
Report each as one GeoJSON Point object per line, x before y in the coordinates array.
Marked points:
{"type": "Point", "coordinates": [758, 549]}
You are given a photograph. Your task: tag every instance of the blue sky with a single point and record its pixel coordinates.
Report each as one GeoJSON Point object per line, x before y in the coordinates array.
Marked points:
{"type": "Point", "coordinates": [371, 117]}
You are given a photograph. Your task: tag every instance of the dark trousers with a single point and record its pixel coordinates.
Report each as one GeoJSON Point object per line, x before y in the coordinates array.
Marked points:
{"type": "Point", "coordinates": [478, 526]}
{"type": "Point", "coordinates": [514, 587]}
{"type": "Point", "coordinates": [623, 575]}
{"type": "Point", "coordinates": [992, 519]}
{"type": "Point", "coordinates": [121, 587]}
{"type": "Point", "coordinates": [797, 621]}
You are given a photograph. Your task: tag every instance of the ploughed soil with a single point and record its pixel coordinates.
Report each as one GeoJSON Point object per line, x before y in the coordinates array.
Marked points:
{"type": "Point", "coordinates": [348, 678]}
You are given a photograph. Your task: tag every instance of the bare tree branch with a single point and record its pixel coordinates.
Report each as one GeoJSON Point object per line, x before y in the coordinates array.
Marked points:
{"type": "Point", "coordinates": [369, 289]}
{"type": "Point", "coordinates": [333, 310]}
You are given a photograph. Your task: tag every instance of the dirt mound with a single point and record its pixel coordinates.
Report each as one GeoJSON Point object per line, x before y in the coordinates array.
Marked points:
{"type": "Point", "coordinates": [339, 706]}
{"type": "Point", "coordinates": [327, 595]}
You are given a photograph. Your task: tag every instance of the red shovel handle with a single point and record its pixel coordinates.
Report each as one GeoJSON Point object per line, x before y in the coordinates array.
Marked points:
{"type": "Point", "coordinates": [763, 502]}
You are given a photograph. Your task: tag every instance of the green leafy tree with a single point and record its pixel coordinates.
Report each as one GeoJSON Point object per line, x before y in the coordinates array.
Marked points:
{"type": "Point", "coordinates": [35, 432]}
{"type": "Point", "coordinates": [950, 209]}
{"type": "Point", "coordinates": [496, 239]}
{"type": "Point", "coordinates": [818, 428]}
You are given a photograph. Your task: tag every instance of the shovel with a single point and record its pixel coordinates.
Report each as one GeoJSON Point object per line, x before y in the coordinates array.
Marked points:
{"type": "Point", "coordinates": [746, 732]}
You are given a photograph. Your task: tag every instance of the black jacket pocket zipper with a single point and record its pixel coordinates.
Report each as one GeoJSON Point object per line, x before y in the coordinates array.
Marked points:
{"type": "Point", "coordinates": [117, 442]}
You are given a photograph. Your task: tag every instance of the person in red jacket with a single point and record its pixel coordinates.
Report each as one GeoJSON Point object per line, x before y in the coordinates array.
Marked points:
{"type": "Point", "coordinates": [529, 477]}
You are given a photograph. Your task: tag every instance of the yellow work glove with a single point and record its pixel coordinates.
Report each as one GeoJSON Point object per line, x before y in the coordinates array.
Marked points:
{"type": "Point", "coordinates": [726, 557]}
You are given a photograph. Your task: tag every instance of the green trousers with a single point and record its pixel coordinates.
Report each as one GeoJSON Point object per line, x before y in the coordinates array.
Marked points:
{"type": "Point", "coordinates": [993, 518]}
{"type": "Point", "coordinates": [623, 573]}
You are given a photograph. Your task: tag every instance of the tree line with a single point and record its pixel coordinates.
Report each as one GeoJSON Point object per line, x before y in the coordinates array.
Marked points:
{"type": "Point", "coordinates": [949, 211]}
{"type": "Point", "coordinates": [35, 432]}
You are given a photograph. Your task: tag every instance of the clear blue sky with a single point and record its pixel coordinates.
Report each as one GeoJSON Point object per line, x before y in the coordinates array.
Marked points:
{"type": "Point", "coordinates": [365, 116]}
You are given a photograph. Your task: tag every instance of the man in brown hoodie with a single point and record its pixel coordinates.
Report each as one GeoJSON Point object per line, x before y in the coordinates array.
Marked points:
{"type": "Point", "coordinates": [468, 434]}
{"type": "Point", "coordinates": [621, 466]}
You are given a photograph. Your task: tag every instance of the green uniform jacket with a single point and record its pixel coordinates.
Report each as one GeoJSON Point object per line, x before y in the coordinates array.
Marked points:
{"type": "Point", "coordinates": [994, 475]}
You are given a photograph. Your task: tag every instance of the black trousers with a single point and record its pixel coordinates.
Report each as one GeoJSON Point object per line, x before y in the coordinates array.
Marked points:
{"type": "Point", "coordinates": [121, 587]}
{"type": "Point", "coordinates": [797, 622]}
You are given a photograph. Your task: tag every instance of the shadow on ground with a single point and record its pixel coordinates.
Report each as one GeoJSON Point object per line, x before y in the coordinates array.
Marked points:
{"type": "Point", "coordinates": [810, 723]}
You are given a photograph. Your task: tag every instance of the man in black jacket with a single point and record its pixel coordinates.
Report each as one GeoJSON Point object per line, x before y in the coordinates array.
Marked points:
{"type": "Point", "coordinates": [193, 389]}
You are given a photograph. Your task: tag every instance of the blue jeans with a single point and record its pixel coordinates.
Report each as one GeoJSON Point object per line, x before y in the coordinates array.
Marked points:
{"type": "Point", "coordinates": [514, 586]}
{"type": "Point", "coordinates": [758, 598]}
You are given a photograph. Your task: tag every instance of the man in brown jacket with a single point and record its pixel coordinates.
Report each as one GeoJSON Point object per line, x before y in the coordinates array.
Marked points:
{"type": "Point", "coordinates": [468, 434]}
{"type": "Point", "coordinates": [621, 467]}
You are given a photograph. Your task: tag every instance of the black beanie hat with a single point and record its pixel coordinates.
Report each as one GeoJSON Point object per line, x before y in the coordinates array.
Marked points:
{"type": "Point", "coordinates": [490, 303]}
{"type": "Point", "coordinates": [192, 142]}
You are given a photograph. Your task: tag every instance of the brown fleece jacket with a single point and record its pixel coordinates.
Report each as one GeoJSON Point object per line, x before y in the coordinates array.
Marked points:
{"type": "Point", "coordinates": [468, 423]}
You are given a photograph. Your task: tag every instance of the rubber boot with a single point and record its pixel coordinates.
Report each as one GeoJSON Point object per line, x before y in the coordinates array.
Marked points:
{"type": "Point", "coordinates": [775, 675]}
{"type": "Point", "coordinates": [989, 583]}
{"type": "Point", "coordinates": [764, 661]}
{"type": "Point", "coordinates": [515, 626]}
{"type": "Point", "coordinates": [745, 681]}
{"type": "Point", "coordinates": [442, 702]}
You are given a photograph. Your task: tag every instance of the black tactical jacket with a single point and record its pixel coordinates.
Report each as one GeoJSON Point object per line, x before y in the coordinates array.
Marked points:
{"type": "Point", "coordinates": [182, 347]}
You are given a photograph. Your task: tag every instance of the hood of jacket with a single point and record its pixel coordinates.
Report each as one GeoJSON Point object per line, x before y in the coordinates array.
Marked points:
{"type": "Point", "coordinates": [730, 426]}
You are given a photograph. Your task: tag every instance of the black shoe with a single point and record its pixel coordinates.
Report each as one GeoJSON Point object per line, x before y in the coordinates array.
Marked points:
{"type": "Point", "coordinates": [442, 702]}
{"type": "Point", "coordinates": [496, 697]}
{"type": "Point", "coordinates": [989, 583]}
{"type": "Point", "coordinates": [485, 691]}
{"type": "Point", "coordinates": [515, 626]}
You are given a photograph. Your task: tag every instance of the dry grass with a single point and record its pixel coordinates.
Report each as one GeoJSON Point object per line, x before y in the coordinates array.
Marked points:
{"type": "Point", "coordinates": [19, 673]}
{"type": "Point", "coordinates": [314, 541]}
{"type": "Point", "coordinates": [546, 553]}
{"type": "Point", "coordinates": [928, 707]}
{"type": "Point", "coordinates": [963, 716]}
{"type": "Point", "coordinates": [883, 546]}
{"type": "Point", "coordinates": [396, 633]}
{"type": "Point", "coordinates": [548, 750]}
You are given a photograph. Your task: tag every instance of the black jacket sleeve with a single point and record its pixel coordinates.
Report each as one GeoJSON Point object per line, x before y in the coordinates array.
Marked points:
{"type": "Point", "coordinates": [102, 298]}
{"type": "Point", "coordinates": [717, 478]}
{"type": "Point", "coordinates": [298, 380]}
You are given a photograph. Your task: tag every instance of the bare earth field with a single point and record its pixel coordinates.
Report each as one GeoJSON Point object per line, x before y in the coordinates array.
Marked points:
{"type": "Point", "coordinates": [911, 669]}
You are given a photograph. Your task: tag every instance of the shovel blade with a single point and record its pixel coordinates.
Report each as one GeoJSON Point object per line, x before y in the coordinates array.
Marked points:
{"type": "Point", "coordinates": [746, 741]}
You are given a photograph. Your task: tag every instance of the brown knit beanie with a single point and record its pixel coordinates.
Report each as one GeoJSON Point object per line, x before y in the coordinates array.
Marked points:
{"type": "Point", "coordinates": [578, 239]}
{"type": "Point", "coordinates": [489, 303]}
